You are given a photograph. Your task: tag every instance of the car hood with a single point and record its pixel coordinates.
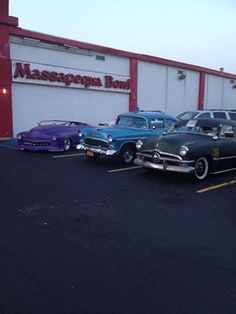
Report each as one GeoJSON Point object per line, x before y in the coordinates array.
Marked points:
{"type": "Point", "coordinates": [45, 131]}
{"type": "Point", "coordinates": [171, 143]}
{"type": "Point", "coordinates": [116, 132]}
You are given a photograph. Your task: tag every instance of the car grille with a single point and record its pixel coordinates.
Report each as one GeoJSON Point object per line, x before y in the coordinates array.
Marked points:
{"type": "Point", "coordinates": [166, 156]}
{"type": "Point", "coordinates": [148, 156]}
{"type": "Point", "coordinates": [96, 143]}
{"type": "Point", "coordinates": [29, 143]}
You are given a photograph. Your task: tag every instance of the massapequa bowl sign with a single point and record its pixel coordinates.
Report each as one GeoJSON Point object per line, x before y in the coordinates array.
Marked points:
{"type": "Point", "coordinates": [46, 75]}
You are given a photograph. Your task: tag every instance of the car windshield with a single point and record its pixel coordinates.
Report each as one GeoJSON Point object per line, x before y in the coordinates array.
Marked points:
{"type": "Point", "coordinates": [187, 115]}
{"type": "Point", "coordinates": [56, 122]}
{"type": "Point", "coordinates": [193, 128]}
{"type": "Point", "coordinates": [131, 122]}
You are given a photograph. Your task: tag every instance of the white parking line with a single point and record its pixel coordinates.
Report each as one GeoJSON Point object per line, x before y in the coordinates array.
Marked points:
{"type": "Point", "coordinates": [217, 186]}
{"type": "Point", "coordinates": [6, 146]}
{"type": "Point", "coordinates": [124, 169]}
{"type": "Point", "coordinates": [68, 155]}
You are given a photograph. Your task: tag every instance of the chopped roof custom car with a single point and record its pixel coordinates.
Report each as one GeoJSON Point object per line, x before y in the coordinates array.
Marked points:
{"type": "Point", "coordinates": [120, 139]}
{"type": "Point", "coordinates": [197, 146]}
{"type": "Point", "coordinates": [51, 135]}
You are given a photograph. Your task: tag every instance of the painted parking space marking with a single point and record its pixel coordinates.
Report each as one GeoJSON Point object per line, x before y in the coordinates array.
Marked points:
{"type": "Point", "coordinates": [217, 186]}
{"type": "Point", "coordinates": [7, 146]}
{"type": "Point", "coordinates": [124, 169]}
{"type": "Point", "coordinates": [68, 155]}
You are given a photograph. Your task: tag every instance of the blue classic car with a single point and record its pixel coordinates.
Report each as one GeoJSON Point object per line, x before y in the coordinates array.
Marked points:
{"type": "Point", "coordinates": [120, 139]}
{"type": "Point", "coordinates": [51, 135]}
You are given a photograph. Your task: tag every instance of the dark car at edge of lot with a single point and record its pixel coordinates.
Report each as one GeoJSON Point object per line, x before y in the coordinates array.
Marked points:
{"type": "Point", "coordinates": [197, 146]}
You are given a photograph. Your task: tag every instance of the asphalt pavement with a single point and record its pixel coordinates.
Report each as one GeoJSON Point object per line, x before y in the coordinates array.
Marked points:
{"type": "Point", "coordinates": [84, 236]}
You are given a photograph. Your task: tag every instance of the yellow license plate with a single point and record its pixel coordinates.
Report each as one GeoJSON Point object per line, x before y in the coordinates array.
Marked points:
{"type": "Point", "coordinates": [89, 153]}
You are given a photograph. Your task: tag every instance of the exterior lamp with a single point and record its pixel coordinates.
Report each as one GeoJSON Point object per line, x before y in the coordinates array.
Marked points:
{"type": "Point", "coordinates": [4, 91]}
{"type": "Point", "coordinates": [233, 83]}
{"type": "Point", "coordinates": [181, 75]}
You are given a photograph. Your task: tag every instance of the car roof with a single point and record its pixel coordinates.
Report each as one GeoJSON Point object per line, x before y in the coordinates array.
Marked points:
{"type": "Point", "coordinates": [148, 114]}
{"type": "Point", "coordinates": [207, 122]}
{"type": "Point", "coordinates": [207, 110]}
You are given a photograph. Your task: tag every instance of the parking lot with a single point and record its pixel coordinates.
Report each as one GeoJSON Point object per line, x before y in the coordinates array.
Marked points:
{"type": "Point", "coordinates": [93, 236]}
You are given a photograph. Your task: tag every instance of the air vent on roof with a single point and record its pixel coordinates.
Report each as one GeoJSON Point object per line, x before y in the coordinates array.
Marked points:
{"type": "Point", "coordinates": [99, 57]}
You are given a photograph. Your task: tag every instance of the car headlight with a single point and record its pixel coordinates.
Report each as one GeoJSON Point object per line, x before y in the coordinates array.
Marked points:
{"type": "Point", "coordinates": [19, 136]}
{"type": "Point", "coordinates": [183, 150]}
{"type": "Point", "coordinates": [139, 144]}
{"type": "Point", "coordinates": [109, 138]}
{"type": "Point", "coordinates": [54, 138]}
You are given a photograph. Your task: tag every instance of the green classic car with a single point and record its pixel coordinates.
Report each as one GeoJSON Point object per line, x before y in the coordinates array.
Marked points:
{"type": "Point", "coordinates": [198, 147]}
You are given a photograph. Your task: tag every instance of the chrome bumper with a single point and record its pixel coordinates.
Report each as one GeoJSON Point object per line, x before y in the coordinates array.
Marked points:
{"type": "Point", "coordinates": [182, 167]}
{"type": "Point", "coordinates": [100, 151]}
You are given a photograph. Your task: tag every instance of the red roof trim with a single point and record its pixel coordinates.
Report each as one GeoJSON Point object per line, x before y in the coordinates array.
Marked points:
{"type": "Point", "coordinates": [121, 53]}
{"type": "Point", "coordinates": [9, 20]}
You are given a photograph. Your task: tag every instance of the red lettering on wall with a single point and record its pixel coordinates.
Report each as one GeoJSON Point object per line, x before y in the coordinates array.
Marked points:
{"type": "Point", "coordinates": [35, 75]}
{"type": "Point", "coordinates": [45, 75]}
{"type": "Point", "coordinates": [110, 83]}
{"type": "Point", "coordinates": [24, 71]}
{"type": "Point", "coordinates": [77, 79]}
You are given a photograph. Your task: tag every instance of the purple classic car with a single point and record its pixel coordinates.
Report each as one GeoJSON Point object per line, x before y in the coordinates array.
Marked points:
{"type": "Point", "coordinates": [51, 135]}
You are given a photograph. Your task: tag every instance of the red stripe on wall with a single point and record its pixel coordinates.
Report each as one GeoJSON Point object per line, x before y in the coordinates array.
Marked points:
{"type": "Point", "coordinates": [5, 84]}
{"type": "Point", "coordinates": [5, 73]}
{"type": "Point", "coordinates": [201, 92]}
{"type": "Point", "coordinates": [133, 84]}
{"type": "Point", "coordinates": [4, 7]}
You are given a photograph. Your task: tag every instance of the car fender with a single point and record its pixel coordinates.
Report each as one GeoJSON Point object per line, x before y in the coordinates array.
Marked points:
{"type": "Point", "coordinates": [129, 142]}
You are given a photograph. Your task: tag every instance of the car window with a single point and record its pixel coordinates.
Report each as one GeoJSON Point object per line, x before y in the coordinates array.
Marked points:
{"type": "Point", "coordinates": [211, 131]}
{"type": "Point", "coordinates": [169, 123]}
{"type": "Point", "coordinates": [232, 115]}
{"type": "Point", "coordinates": [131, 122]}
{"type": "Point", "coordinates": [157, 123]}
{"type": "Point", "coordinates": [227, 129]}
{"type": "Point", "coordinates": [204, 115]}
{"type": "Point", "coordinates": [219, 115]}
{"type": "Point", "coordinates": [187, 115]}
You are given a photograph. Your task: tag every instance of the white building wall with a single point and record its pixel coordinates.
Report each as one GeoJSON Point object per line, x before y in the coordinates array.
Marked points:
{"type": "Point", "coordinates": [229, 94]}
{"type": "Point", "coordinates": [35, 100]}
{"type": "Point", "coordinates": [46, 56]}
{"type": "Point", "coordinates": [151, 86]}
{"type": "Point", "coordinates": [159, 88]}
{"type": "Point", "coordinates": [32, 103]}
{"type": "Point", "coordinates": [213, 92]}
{"type": "Point", "coordinates": [219, 93]}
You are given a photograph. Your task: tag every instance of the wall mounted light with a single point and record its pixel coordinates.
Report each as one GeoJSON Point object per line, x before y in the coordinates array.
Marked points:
{"type": "Point", "coordinates": [181, 75]}
{"type": "Point", "coordinates": [233, 83]}
{"type": "Point", "coordinates": [4, 91]}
